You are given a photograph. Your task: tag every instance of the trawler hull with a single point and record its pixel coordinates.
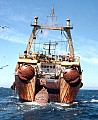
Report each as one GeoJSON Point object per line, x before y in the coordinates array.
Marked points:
{"type": "Point", "coordinates": [42, 91]}
{"type": "Point", "coordinates": [68, 93]}
{"type": "Point", "coordinates": [26, 91]}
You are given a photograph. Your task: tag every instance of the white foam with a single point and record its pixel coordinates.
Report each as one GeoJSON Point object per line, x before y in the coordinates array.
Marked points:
{"type": "Point", "coordinates": [93, 100]}
{"type": "Point", "coordinates": [66, 104]}
{"type": "Point", "coordinates": [85, 101]}
{"type": "Point", "coordinates": [62, 104]}
{"type": "Point", "coordinates": [32, 103]}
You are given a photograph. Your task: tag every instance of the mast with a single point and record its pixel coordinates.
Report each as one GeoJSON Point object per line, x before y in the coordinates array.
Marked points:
{"type": "Point", "coordinates": [52, 15]}
{"type": "Point", "coordinates": [67, 29]}
{"type": "Point", "coordinates": [32, 37]}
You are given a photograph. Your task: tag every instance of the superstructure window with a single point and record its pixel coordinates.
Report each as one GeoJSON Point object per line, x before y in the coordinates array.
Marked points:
{"type": "Point", "coordinates": [50, 66]}
{"type": "Point", "coordinates": [53, 67]}
{"type": "Point", "coordinates": [45, 66]}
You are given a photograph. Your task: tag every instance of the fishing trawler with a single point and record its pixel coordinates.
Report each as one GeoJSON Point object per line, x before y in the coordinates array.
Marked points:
{"type": "Point", "coordinates": [47, 76]}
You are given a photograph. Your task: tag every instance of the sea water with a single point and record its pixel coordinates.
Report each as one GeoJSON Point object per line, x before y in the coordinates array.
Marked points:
{"type": "Point", "coordinates": [85, 107]}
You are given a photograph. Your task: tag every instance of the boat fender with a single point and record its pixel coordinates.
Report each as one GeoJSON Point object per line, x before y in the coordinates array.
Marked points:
{"type": "Point", "coordinates": [75, 83]}
{"type": "Point", "coordinates": [72, 76]}
{"type": "Point", "coordinates": [26, 73]}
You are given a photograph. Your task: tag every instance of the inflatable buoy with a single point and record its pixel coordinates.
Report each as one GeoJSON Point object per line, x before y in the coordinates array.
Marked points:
{"type": "Point", "coordinates": [26, 73]}
{"type": "Point", "coordinates": [72, 77]}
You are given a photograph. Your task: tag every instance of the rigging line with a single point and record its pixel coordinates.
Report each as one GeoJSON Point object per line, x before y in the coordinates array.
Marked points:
{"type": "Point", "coordinates": [37, 31]}
{"type": "Point", "coordinates": [61, 45]}
{"type": "Point", "coordinates": [67, 46]}
{"type": "Point", "coordinates": [48, 42]}
{"type": "Point", "coordinates": [65, 35]}
{"type": "Point", "coordinates": [35, 39]}
{"type": "Point", "coordinates": [41, 39]}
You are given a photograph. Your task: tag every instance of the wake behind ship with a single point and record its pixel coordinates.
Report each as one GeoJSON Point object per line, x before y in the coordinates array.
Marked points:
{"type": "Point", "coordinates": [47, 76]}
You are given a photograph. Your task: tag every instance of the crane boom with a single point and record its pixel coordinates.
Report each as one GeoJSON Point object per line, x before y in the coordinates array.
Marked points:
{"type": "Point", "coordinates": [32, 37]}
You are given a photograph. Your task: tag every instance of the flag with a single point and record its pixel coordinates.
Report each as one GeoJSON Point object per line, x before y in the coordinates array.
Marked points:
{"type": "Point", "coordinates": [56, 43]}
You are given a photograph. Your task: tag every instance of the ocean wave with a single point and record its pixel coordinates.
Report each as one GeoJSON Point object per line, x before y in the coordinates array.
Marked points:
{"type": "Point", "coordinates": [94, 100]}
{"type": "Point", "coordinates": [66, 104]}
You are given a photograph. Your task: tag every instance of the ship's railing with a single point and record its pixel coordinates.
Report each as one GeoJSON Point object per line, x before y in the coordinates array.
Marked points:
{"type": "Point", "coordinates": [56, 59]}
{"type": "Point", "coordinates": [29, 56]}
{"type": "Point", "coordinates": [76, 62]}
{"type": "Point", "coordinates": [63, 58]}
{"type": "Point", "coordinates": [27, 59]}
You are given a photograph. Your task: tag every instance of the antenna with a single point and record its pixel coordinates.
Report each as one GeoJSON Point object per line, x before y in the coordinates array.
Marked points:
{"type": "Point", "coordinates": [52, 15]}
